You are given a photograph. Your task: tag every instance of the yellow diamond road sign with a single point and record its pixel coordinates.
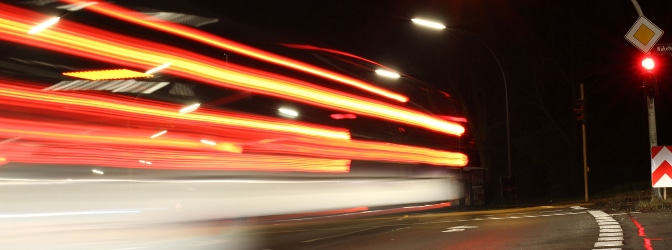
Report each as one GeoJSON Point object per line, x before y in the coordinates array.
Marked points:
{"type": "Point", "coordinates": [644, 34]}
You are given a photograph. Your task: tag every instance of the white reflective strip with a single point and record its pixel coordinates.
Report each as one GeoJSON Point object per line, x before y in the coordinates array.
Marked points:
{"type": "Point", "coordinates": [610, 239]}
{"type": "Point", "coordinates": [611, 234]}
{"type": "Point", "coordinates": [155, 87]}
{"type": "Point", "coordinates": [128, 84]}
{"type": "Point", "coordinates": [608, 244]}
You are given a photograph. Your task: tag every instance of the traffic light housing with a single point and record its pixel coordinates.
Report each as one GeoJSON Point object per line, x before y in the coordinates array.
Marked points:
{"type": "Point", "coordinates": [580, 111]}
{"type": "Point", "coordinates": [649, 79]}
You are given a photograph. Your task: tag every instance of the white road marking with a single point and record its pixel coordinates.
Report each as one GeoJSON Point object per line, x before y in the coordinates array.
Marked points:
{"type": "Point", "coordinates": [611, 233]}
{"type": "Point", "coordinates": [338, 235]}
{"type": "Point", "coordinates": [458, 229]}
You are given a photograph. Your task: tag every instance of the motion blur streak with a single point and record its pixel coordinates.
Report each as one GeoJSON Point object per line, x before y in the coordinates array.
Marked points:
{"type": "Point", "coordinates": [74, 39]}
{"type": "Point", "coordinates": [360, 150]}
{"type": "Point", "coordinates": [338, 52]}
{"type": "Point", "coordinates": [166, 204]}
{"type": "Point", "coordinates": [130, 157]}
{"type": "Point", "coordinates": [198, 35]}
{"type": "Point", "coordinates": [16, 93]}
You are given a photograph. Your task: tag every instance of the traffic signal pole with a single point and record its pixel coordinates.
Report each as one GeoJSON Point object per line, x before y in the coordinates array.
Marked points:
{"type": "Point", "coordinates": [653, 137]}
{"type": "Point", "coordinates": [585, 152]}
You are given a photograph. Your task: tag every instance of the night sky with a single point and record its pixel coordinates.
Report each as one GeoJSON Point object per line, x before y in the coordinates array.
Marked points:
{"type": "Point", "coordinates": [545, 49]}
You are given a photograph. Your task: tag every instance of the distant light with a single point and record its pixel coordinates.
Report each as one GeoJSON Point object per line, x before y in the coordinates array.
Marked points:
{"type": "Point", "coordinates": [387, 73]}
{"type": "Point", "coordinates": [158, 68]}
{"type": "Point", "coordinates": [343, 116]}
{"type": "Point", "coordinates": [190, 108]}
{"type": "Point", "coordinates": [96, 171]}
{"type": "Point", "coordinates": [288, 112]}
{"type": "Point", "coordinates": [145, 162]}
{"type": "Point", "coordinates": [160, 133]}
{"type": "Point", "coordinates": [648, 63]}
{"type": "Point", "coordinates": [208, 142]}
{"type": "Point", "coordinates": [44, 25]}
{"type": "Point", "coordinates": [429, 24]}
{"type": "Point", "coordinates": [107, 74]}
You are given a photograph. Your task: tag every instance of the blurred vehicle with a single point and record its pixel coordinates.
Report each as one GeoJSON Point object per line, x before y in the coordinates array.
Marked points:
{"type": "Point", "coordinates": [116, 119]}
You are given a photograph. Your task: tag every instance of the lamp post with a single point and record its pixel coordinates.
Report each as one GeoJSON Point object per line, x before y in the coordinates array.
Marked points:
{"type": "Point", "coordinates": [439, 26]}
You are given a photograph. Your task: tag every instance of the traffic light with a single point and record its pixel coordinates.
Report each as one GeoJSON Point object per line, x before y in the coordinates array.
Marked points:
{"type": "Point", "coordinates": [579, 111]}
{"type": "Point", "coordinates": [648, 64]}
{"type": "Point", "coordinates": [649, 79]}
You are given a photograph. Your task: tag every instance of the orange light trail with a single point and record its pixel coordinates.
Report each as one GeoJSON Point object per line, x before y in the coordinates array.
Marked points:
{"type": "Point", "coordinates": [128, 157]}
{"type": "Point", "coordinates": [105, 46]}
{"type": "Point", "coordinates": [107, 74]}
{"type": "Point", "coordinates": [11, 94]}
{"type": "Point", "coordinates": [204, 37]}
{"type": "Point", "coordinates": [359, 150]}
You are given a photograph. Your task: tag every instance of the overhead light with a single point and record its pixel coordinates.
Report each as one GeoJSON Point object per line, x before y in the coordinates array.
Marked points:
{"type": "Point", "coordinates": [44, 25]}
{"type": "Point", "coordinates": [158, 68]}
{"type": "Point", "coordinates": [190, 108]}
{"type": "Point", "coordinates": [96, 171]}
{"type": "Point", "coordinates": [429, 24]}
{"type": "Point", "coordinates": [160, 133]}
{"type": "Point", "coordinates": [107, 74]}
{"type": "Point", "coordinates": [387, 73]}
{"type": "Point", "coordinates": [208, 142]}
{"type": "Point", "coordinates": [288, 112]}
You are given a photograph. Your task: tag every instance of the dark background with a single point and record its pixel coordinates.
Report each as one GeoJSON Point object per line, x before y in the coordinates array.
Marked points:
{"type": "Point", "coordinates": [545, 49]}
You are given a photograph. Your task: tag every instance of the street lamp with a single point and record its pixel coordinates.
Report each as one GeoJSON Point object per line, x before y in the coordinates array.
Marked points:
{"type": "Point", "coordinates": [437, 25]}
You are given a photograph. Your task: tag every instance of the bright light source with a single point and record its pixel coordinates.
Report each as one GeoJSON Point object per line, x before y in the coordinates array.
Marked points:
{"type": "Point", "coordinates": [160, 133]}
{"type": "Point", "coordinates": [288, 112]}
{"type": "Point", "coordinates": [96, 171]}
{"type": "Point", "coordinates": [145, 162]}
{"type": "Point", "coordinates": [44, 25]}
{"type": "Point", "coordinates": [190, 108]}
{"type": "Point", "coordinates": [107, 74]}
{"type": "Point", "coordinates": [648, 63]}
{"type": "Point", "coordinates": [429, 24]}
{"type": "Point", "coordinates": [157, 69]}
{"type": "Point", "coordinates": [208, 142]}
{"type": "Point", "coordinates": [387, 73]}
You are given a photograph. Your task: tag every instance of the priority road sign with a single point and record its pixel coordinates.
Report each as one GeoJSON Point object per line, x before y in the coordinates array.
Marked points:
{"type": "Point", "coordinates": [661, 168]}
{"type": "Point", "coordinates": [644, 34]}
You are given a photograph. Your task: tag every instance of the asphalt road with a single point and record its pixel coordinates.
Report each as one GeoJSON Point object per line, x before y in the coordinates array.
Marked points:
{"type": "Point", "coordinates": [525, 228]}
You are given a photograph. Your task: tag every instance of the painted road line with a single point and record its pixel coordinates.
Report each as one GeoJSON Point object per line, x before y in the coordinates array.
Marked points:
{"type": "Point", "coordinates": [338, 235]}
{"type": "Point", "coordinates": [611, 233]}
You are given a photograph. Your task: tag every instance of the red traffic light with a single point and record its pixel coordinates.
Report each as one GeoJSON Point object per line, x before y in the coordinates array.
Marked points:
{"type": "Point", "coordinates": [648, 63]}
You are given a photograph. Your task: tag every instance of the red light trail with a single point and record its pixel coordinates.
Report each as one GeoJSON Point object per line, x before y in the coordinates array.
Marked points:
{"type": "Point", "coordinates": [100, 45]}
{"type": "Point", "coordinates": [204, 37]}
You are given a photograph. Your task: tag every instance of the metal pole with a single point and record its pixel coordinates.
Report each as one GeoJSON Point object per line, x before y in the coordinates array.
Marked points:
{"type": "Point", "coordinates": [585, 153]}
{"type": "Point", "coordinates": [653, 138]}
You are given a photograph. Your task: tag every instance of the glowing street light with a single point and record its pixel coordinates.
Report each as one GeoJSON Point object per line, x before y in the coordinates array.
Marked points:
{"type": "Point", "coordinates": [160, 133]}
{"type": "Point", "coordinates": [288, 112]}
{"type": "Point", "coordinates": [208, 142]}
{"type": "Point", "coordinates": [428, 23]}
{"type": "Point", "coordinates": [190, 108]}
{"type": "Point", "coordinates": [387, 73]}
{"type": "Point", "coordinates": [44, 25]}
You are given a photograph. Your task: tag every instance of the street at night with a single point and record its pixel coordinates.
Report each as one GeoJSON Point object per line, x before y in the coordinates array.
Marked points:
{"type": "Point", "coordinates": [298, 124]}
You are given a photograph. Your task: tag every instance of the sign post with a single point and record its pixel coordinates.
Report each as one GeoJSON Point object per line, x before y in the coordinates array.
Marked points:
{"type": "Point", "coordinates": [644, 35]}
